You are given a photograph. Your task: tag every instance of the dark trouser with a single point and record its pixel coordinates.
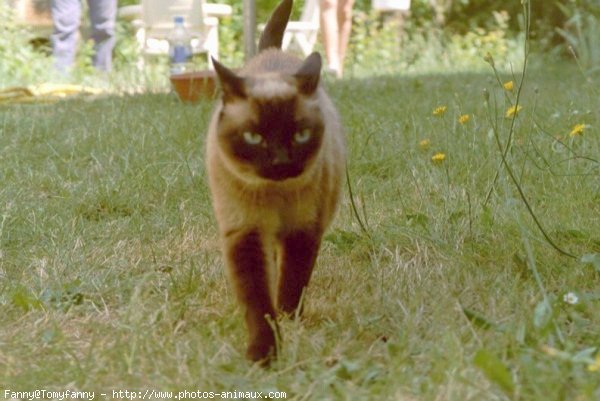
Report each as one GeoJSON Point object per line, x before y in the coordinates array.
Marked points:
{"type": "Point", "coordinates": [66, 15]}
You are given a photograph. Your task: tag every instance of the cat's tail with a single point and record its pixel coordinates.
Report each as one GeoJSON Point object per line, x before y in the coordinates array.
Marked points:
{"type": "Point", "coordinates": [272, 36]}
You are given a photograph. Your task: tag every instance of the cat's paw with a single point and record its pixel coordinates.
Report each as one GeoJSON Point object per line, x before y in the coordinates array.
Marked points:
{"type": "Point", "coordinates": [262, 350]}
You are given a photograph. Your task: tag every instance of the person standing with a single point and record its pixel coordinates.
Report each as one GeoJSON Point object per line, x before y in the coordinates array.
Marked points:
{"type": "Point", "coordinates": [336, 25]}
{"type": "Point", "coordinates": [66, 17]}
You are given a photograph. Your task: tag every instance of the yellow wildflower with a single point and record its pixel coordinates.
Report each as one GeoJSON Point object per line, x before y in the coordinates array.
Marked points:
{"type": "Point", "coordinates": [464, 118]}
{"type": "Point", "coordinates": [595, 366]}
{"type": "Point", "coordinates": [438, 157]}
{"type": "Point", "coordinates": [512, 110]}
{"type": "Point", "coordinates": [508, 85]}
{"type": "Point", "coordinates": [577, 130]}
{"type": "Point", "coordinates": [439, 111]}
{"type": "Point", "coordinates": [424, 144]}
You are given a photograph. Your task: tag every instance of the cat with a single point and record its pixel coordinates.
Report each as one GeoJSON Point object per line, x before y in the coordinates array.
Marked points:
{"type": "Point", "coordinates": [275, 159]}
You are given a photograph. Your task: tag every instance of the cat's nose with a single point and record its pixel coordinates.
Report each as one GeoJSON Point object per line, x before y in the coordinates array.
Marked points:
{"type": "Point", "coordinates": [281, 157]}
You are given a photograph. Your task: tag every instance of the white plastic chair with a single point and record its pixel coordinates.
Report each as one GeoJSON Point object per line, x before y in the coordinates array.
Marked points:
{"type": "Point", "coordinates": [391, 5]}
{"type": "Point", "coordinates": [157, 22]}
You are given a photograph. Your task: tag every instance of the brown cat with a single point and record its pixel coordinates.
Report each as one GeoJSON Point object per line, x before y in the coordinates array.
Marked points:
{"type": "Point", "coordinates": [275, 160]}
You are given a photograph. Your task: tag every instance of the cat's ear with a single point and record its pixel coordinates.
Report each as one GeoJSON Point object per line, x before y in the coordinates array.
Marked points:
{"type": "Point", "coordinates": [233, 86]}
{"type": "Point", "coordinates": [307, 77]}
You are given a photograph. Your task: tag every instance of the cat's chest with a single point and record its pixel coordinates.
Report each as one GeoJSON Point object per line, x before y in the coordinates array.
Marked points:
{"type": "Point", "coordinates": [294, 208]}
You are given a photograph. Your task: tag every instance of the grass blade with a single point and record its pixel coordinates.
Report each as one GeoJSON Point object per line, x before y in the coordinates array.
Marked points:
{"type": "Point", "coordinates": [495, 370]}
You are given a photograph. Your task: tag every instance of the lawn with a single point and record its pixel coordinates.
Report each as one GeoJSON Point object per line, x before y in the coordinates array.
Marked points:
{"type": "Point", "coordinates": [434, 283]}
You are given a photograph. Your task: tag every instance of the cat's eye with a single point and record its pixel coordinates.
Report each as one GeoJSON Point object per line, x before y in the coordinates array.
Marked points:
{"type": "Point", "coordinates": [302, 136]}
{"type": "Point", "coordinates": [252, 138]}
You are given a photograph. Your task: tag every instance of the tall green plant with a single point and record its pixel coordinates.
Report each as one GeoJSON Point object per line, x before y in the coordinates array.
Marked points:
{"type": "Point", "coordinates": [581, 31]}
{"type": "Point", "coordinates": [20, 62]}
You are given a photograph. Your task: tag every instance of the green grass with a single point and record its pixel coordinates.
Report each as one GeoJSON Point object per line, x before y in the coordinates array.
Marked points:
{"type": "Point", "coordinates": [111, 277]}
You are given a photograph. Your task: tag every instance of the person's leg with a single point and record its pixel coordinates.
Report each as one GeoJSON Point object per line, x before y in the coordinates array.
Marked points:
{"type": "Point", "coordinates": [66, 17]}
{"type": "Point", "coordinates": [329, 31]}
{"type": "Point", "coordinates": [344, 16]}
{"type": "Point", "coordinates": [103, 14]}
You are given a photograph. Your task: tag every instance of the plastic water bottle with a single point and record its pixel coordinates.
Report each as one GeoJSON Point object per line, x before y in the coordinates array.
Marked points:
{"type": "Point", "coordinates": [180, 47]}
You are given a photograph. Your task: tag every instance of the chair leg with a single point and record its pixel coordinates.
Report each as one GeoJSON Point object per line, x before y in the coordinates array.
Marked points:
{"type": "Point", "coordinates": [287, 40]}
{"type": "Point", "coordinates": [140, 36]}
{"type": "Point", "coordinates": [141, 63]}
{"type": "Point", "coordinates": [212, 45]}
{"type": "Point", "coordinates": [305, 44]}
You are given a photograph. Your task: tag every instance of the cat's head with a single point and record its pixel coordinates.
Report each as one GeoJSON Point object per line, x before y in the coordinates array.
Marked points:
{"type": "Point", "coordinates": [271, 125]}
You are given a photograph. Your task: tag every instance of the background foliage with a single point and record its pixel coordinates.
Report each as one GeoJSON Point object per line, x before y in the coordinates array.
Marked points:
{"type": "Point", "coordinates": [18, 59]}
{"type": "Point", "coordinates": [436, 35]}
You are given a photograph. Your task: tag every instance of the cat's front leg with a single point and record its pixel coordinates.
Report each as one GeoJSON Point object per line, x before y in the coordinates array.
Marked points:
{"type": "Point", "coordinates": [248, 272]}
{"type": "Point", "coordinates": [299, 253]}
